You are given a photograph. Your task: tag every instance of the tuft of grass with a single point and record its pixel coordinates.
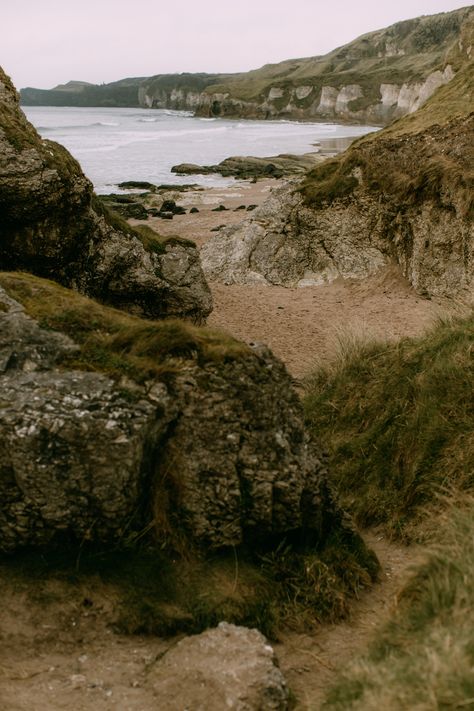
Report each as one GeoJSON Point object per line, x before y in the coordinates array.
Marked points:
{"type": "Point", "coordinates": [424, 657]}
{"type": "Point", "coordinates": [156, 243]}
{"type": "Point", "coordinates": [333, 179]}
{"type": "Point", "coordinates": [160, 591]}
{"type": "Point", "coordinates": [114, 342]}
{"type": "Point", "coordinates": [398, 420]}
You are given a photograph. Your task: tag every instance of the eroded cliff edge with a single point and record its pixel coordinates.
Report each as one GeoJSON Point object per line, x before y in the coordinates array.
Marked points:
{"type": "Point", "coordinates": [403, 195]}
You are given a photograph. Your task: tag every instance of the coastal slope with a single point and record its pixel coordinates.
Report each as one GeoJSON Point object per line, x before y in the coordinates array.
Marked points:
{"type": "Point", "coordinates": [403, 194]}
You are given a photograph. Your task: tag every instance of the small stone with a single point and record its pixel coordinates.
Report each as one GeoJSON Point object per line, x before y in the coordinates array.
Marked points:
{"type": "Point", "coordinates": [77, 680]}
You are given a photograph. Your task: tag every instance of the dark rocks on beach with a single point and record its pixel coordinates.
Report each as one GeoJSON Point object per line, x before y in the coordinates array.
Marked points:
{"type": "Point", "coordinates": [251, 207]}
{"type": "Point", "coordinates": [220, 208]}
{"type": "Point", "coordinates": [193, 210]}
{"type": "Point", "coordinates": [171, 206]}
{"type": "Point", "coordinates": [137, 184]}
{"type": "Point", "coordinates": [241, 207]}
{"type": "Point", "coordinates": [128, 209]}
{"type": "Point", "coordinates": [248, 167]}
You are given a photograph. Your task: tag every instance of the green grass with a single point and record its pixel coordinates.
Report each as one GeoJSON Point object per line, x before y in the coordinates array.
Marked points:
{"type": "Point", "coordinates": [425, 43]}
{"type": "Point", "coordinates": [114, 342]}
{"type": "Point", "coordinates": [424, 657]}
{"type": "Point", "coordinates": [398, 420]}
{"type": "Point", "coordinates": [424, 156]}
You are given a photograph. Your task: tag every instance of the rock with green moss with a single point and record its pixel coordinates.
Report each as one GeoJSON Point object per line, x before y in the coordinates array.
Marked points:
{"type": "Point", "coordinates": [51, 224]}
{"type": "Point", "coordinates": [133, 422]}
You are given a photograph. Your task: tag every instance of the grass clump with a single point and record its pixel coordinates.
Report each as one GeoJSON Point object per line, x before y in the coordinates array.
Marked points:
{"type": "Point", "coordinates": [424, 657]}
{"type": "Point", "coordinates": [114, 342]}
{"type": "Point", "coordinates": [156, 590]}
{"type": "Point", "coordinates": [333, 179]}
{"type": "Point", "coordinates": [398, 420]}
{"type": "Point", "coordinates": [156, 243]}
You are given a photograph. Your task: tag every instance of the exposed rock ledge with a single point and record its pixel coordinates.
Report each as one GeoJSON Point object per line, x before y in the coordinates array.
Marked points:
{"type": "Point", "coordinates": [251, 167]}
{"type": "Point", "coordinates": [52, 225]}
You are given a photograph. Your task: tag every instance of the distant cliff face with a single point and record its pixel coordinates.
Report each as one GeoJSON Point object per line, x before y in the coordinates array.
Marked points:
{"type": "Point", "coordinates": [51, 224]}
{"type": "Point", "coordinates": [378, 77]}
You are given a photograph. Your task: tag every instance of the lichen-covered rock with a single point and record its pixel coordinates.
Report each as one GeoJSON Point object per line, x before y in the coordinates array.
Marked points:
{"type": "Point", "coordinates": [403, 197]}
{"type": "Point", "coordinates": [228, 667]}
{"type": "Point", "coordinates": [52, 225]}
{"type": "Point", "coordinates": [215, 450]}
{"type": "Point", "coordinates": [239, 464]}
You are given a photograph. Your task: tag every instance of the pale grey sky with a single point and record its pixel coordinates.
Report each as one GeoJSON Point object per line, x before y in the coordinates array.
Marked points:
{"type": "Point", "coordinates": [48, 42]}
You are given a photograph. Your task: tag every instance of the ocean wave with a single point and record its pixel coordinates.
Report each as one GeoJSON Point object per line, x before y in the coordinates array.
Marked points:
{"type": "Point", "coordinates": [76, 126]}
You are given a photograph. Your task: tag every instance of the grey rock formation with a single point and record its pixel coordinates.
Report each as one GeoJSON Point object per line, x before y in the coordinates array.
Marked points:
{"type": "Point", "coordinates": [218, 452]}
{"type": "Point", "coordinates": [284, 243]}
{"type": "Point", "coordinates": [251, 167]}
{"type": "Point", "coordinates": [409, 201]}
{"type": "Point", "coordinates": [52, 225]}
{"type": "Point", "coordinates": [228, 667]}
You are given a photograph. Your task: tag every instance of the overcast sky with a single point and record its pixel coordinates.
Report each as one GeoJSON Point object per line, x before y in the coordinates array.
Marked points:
{"type": "Point", "coordinates": [48, 42]}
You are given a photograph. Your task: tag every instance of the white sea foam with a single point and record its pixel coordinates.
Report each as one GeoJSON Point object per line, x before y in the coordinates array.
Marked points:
{"type": "Point", "coordinates": [114, 145]}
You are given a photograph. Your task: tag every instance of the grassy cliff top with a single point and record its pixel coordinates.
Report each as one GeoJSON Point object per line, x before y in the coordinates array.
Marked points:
{"type": "Point", "coordinates": [412, 159]}
{"type": "Point", "coordinates": [406, 51]}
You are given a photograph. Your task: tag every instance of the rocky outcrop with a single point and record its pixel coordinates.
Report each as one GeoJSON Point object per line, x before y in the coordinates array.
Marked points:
{"type": "Point", "coordinates": [250, 167]}
{"type": "Point", "coordinates": [226, 667]}
{"type": "Point", "coordinates": [285, 243]}
{"type": "Point", "coordinates": [404, 198]}
{"type": "Point", "coordinates": [52, 225]}
{"type": "Point", "coordinates": [214, 449]}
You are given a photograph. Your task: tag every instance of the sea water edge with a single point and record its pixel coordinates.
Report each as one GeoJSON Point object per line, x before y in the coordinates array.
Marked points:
{"type": "Point", "coordinates": [118, 144]}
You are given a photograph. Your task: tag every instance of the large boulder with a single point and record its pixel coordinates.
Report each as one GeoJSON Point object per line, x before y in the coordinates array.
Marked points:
{"type": "Point", "coordinates": [228, 667]}
{"type": "Point", "coordinates": [213, 445]}
{"type": "Point", "coordinates": [52, 225]}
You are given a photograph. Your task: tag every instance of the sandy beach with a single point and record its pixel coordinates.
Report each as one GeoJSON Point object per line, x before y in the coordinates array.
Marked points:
{"type": "Point", "coordinates": [302, 326]}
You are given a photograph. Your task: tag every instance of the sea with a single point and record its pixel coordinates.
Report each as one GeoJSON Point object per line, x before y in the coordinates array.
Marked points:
{"type": "Point", "coordinates": [114, 145]}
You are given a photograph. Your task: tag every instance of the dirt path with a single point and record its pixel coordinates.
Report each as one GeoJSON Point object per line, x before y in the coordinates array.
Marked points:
{"type": "Point", "coordinates": [311, 662]}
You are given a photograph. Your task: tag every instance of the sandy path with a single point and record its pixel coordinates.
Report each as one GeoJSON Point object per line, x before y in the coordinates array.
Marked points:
{"type": "Point", "coordinates": [311, 662]}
